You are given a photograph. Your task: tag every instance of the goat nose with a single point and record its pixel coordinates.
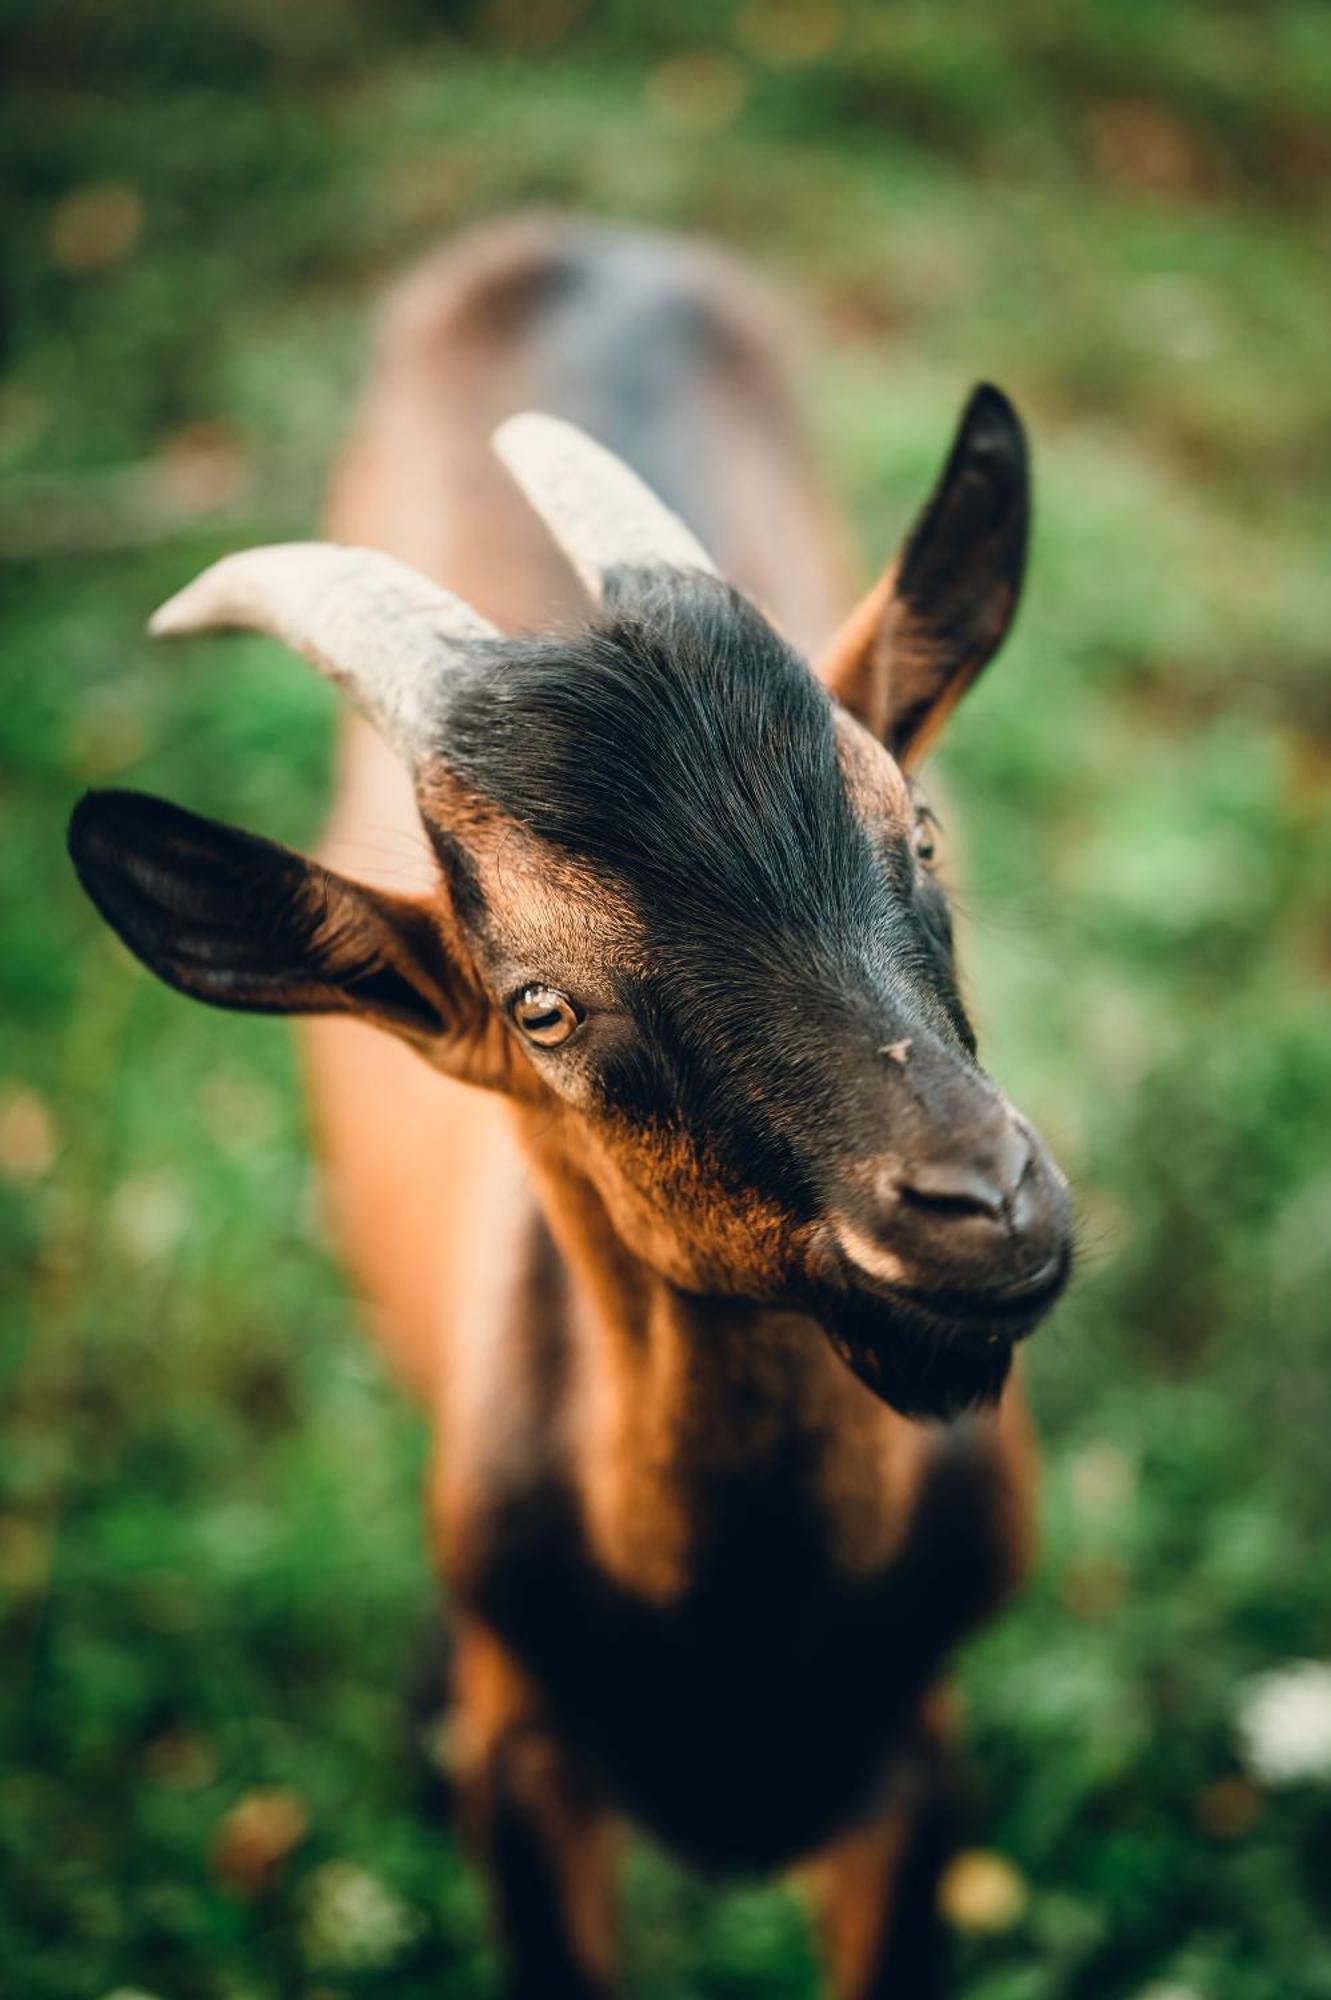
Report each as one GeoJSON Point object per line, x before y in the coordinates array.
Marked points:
{"type": "Point", "coordinates": [984, 1217]}
{"type": "Point", "coordinates": [970, 1218]}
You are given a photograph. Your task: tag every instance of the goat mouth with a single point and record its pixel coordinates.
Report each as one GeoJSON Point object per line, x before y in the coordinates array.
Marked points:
{"type": "Point", "coordinates": [1012, 1310]}
{"type": "Point", "coordinates": [1000, 1313]}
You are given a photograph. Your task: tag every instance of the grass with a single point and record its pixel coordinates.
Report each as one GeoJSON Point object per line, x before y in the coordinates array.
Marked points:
{"type": "Point", "coordinates": [213, 1580]}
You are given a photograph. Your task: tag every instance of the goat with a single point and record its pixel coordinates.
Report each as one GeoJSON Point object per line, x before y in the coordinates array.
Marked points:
{"type": "Point", "coordinates": [735, 1212]}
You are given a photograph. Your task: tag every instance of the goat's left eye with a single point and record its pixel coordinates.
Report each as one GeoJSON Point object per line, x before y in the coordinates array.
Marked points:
{"type": "Point", "coordinates": [923, 838]}
{"type": "Point", "coordinates": [545, 1016]}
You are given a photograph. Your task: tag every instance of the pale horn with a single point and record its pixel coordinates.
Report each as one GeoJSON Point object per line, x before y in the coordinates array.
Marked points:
{"type": "Point", "coordinates": [382, 632]}
{"type": "Point", "coordinates": [601, 514]}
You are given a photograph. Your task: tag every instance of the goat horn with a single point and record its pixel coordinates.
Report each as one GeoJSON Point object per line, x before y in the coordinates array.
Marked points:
{"type": "Point", "coordinates": [600, 513]}
{"type": "Point", "coordinates": [378, 630]}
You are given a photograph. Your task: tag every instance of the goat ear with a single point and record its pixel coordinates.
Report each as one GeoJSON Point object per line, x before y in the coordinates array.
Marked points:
{"type": "Point", "coordinates": [912, 647]}
{"type": "Point", "coordinates": [244, 923]}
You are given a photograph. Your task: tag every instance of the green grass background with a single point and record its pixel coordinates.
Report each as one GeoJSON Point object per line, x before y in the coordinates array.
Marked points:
{"type": "Point", "coordinates": [212, 1565]}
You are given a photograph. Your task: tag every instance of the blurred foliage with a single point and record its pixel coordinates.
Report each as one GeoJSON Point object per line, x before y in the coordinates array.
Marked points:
{"type": "Point", "coordinates": [214, 1592]}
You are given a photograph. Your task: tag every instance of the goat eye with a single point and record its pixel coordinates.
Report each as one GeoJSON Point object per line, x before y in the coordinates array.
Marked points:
{"type": "Point", "coordinates": [545, 1017]}
{"type": "Point", "coordinates": [923, 838]}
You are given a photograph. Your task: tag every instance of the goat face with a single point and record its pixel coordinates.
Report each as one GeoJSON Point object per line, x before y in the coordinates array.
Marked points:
{"type": "Point", "coordinates": [701, 899]}
{"type": "Point", "coordinates": [688, 917]}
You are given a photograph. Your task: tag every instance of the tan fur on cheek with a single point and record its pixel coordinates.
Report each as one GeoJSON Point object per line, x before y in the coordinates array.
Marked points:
{"type": "Point", "coordinates": [866, 1255]}
{"type": "Point", "coordinates": [874, 780]}
{"type": "Point", "coordinates": [674, 1211]}
{"type": "Point", "coordinates": [544, 917]}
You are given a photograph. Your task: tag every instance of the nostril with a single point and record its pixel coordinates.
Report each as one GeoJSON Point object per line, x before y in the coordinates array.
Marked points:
{"type": "Point", "coordinates": [955, 1195]}
{"type": "Point", "coordinates": [988, 1183]}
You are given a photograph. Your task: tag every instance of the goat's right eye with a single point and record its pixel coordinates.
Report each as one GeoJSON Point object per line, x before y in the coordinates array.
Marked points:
{"type": "Point", "coordinates": [545, 1016]}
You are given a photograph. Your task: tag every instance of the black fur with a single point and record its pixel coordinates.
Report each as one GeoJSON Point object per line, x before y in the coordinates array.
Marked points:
{"type": "Point", "coordinates": [961, 571]}
{"type": "Point", "coordinates": [779, 1690]}
{"type": "Point", "coordinates": [683, 749]}
{"type": "Point", "coordinates": [242, 922]}
{"type": "Point", "coordinates": [685, 753]}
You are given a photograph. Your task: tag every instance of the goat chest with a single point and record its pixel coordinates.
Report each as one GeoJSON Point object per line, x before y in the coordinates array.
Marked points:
{"type": "Point", "coordinates": [771, 1701]}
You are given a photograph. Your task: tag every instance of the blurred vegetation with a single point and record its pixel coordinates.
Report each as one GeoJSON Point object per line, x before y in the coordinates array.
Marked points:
{"type": "Point", "coordinates": [213, 1584]}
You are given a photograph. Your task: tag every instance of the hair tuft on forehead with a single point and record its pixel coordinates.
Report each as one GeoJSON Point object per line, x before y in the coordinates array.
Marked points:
{"type": "Point", "coordinates": [680, 746]}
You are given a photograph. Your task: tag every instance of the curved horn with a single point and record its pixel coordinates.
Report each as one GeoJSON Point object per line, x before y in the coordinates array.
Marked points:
{"type": "Point", "coordinates": [377, 629]}
{"type": "Point", "coordinates": [600, 513]}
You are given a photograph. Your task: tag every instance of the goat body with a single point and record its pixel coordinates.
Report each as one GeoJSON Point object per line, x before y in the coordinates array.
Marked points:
{"type": "Point", "coordinates": [737, 1205]}
{"type": "Point", "coordinates": [683, 1539]}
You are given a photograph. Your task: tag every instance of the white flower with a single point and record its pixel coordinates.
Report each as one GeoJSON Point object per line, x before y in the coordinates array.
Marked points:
{"type": "Point", "coordinates": [147, 1215]}
{"type": "Point", "coordinates": [982, 1891]}
{"type": "Point", "coordinates": [1284, 1723]}
{"type": "Point", "coordinates": [355, 1921]}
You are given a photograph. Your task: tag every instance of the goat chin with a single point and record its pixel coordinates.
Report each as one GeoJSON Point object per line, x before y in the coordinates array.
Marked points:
{"type": "Point", "coordinates": [914, 1360]}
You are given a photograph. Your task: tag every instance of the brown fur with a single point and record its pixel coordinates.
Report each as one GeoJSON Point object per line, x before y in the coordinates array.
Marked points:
{"type": "Point", "coordinates": [632, 1442]}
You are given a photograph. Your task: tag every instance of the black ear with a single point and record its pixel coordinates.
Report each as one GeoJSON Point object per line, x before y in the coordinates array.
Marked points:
{"type": "Point", "coordinates": [241, 922]}
{"type": "Point", "coordinates": [912, 648]}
